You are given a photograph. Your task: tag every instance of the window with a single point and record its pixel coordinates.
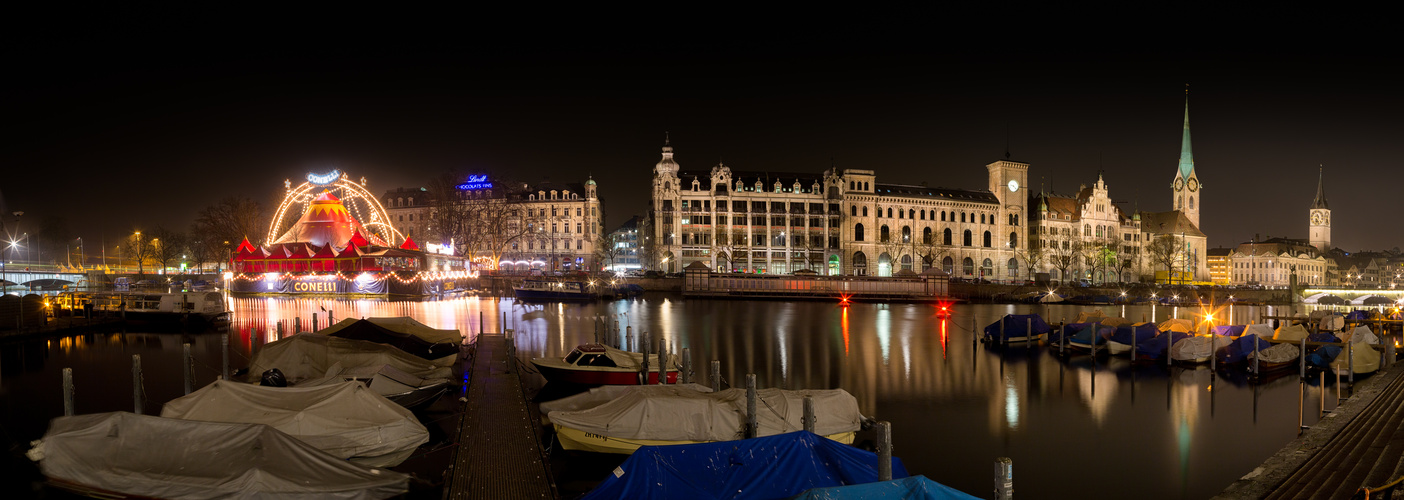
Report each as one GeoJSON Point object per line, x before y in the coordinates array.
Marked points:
{"type": "Point", "coordinates": [858, 232]}
{"type": "Point", "coordinates": [865, 211]}
{"type": "Point", "coordinates": [1013, 240]}
{"type": "Point", "coordinates": [1087, 230]}
{"type": "Point", "coordinates": [855, 210]}
{"type": "Point", "coordinates": [889, 212]}
{"type": "Point", "coordinates": [962, 216]}
{"type": "Point", "coordinates": [578, 227]}
{"type": "Point", "coordinates": [579, 244]}
{"type": "Point", "coordinates": [1013, 268]}
{"type": "Point", "coordinates": [987, 239]}
{"type": "Point", "coordinates": [946, 237]}
{"type": "Point", "coordinates": [883, 235]}
{"type": "Point", "coordinates": [1191, 203]}
{"type": "Point", "coordinates": [948, 265]}
{"type": "Point", "coordinates": [926, 236]}
{"type": "Point", "coordinates": [967, 267]}
{"type": "Point", "coordinates": [906, 234]}
{"type": "Point", "coordinates": [943, 216]}
{"type": "Point", "coordinates": [911, 214]}
{"type": "Point", "coordinates": [967, 237]}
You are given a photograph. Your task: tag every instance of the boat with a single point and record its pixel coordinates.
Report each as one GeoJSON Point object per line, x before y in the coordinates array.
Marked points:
{"type": "Point", "coordinates": [908, 488]}
{"type": "Point", "coordinates": [1291, 333]}
{"type": "Point", "coordinates": [439, 346]}
{"type": "Point", "coordinates": [597, 396]}
{"type": "Point", "coordinates": [1241, 348]}
{"type": "Point", "coordinates": [1125, 336]}
{"type": "Point", "coordinates": [598, 364]}
{"type": "Point", "coordinates": [1016, 328]}
{"type": "Point", "coordinates": [554, 291]}
{"type": "Point", "coordinates": [1363, 358]}
{"type": "Point", "coordinates": [346, 419]}
{"type": "Point", "coordinates": [121, 454]}
{"type": "Point", "coordinates": [779, 466]}
{"type": "Point", "coordinates": [1197, 349]}
{"type": "Point", "coordinates": [308, 358]}
{"type": "Point", "coordinates": [1156, 347]}
{"type": "Point", "coordinates": [1091, 335]}
{"type": "Point", "coordinates": [670, 414]}
{"type": "Point", "coordinates": [206, 307]}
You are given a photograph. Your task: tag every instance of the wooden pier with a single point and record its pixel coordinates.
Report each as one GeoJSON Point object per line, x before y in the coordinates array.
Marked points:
{"type": "Point", "coordinates": [499, 453]}
{"type": "Point", "coordinates": [1359, 444]}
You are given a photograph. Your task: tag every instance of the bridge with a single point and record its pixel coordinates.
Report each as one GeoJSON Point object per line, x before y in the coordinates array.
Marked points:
{"type": "Point", "coordinates": [27, 279]}
{"type": "Point", "coordinates": [1350, 294]}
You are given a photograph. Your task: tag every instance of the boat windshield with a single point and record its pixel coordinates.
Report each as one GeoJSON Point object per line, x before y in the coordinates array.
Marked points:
{"type": "Point", "coordinates": [574, 355]}
{"type": "Point", "coordinates": [597, 360]}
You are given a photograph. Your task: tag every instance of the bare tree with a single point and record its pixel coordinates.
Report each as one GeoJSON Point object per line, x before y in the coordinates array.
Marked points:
{"type": "Point", "coordinates": [231, 220]}
{"type": "Point", "coordinates": [1064, 255]}
{"type": "Point", "coordinates": [1122, 259]}
{"type": "Point", "coordinates": [141, 250]}
{"type": "Point", "coordinates": [1031, 256]}
{"type": "Point", "coordinates": [201, 251]}
{"type": "Point", "coordinates": [607, 248]}
{"type": "Point", "coordinates": [1163, 251]}
{"type": "Point", "coordinates": [929, 249]}
{"type": "Point", "coordinates": [167, 246]}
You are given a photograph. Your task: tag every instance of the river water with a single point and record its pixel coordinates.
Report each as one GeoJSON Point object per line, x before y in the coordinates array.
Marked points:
{"type": "Point", "coordinates": [1073, 427]}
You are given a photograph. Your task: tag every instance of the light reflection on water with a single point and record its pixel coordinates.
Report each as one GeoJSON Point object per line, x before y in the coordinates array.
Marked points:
{"type": "Point", "coordinates": [955, 405]}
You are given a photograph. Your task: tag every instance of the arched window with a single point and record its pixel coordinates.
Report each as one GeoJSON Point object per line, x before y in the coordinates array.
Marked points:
{"type": "Point", "coordinates": [962, 216]}
{"type": "Point", "coordinates": [1087, 230]}
{"type": "Point", "coordinates": [850, 186]}
{"type": "Point", "coordinates": [906, 262]}
{"type": "Point", "coordinates": [967, 237]}
{"type": "Point", "coordinates": [946, 237]}
{"type": "Point", "coordinates": [855, 210]}
{"type": "Point", "coordinates": [911, 214]}
{"type": "Point", "coordinates": [1099, 230]}
{"type": "Point", "coordinates": [884, 264]}
{"type": "Point", "coordinates": [858, 232]}
{"type": "Point", "coordinates": [987, 268]}
{"type": "Point", "coordinates": [943, 216]}
{"type": "Point", "coordinates": [889, 212]}
{"type": "Point", "coordinates": [865, 186]}
{"type": "Point", "coordinates": [982, 218]}
{"type": "Point", "coordinates": [967, 267]}
{"type": "Point", "coordinates": [987, 239]}
{"type": "Point", "coordinates": [883, 235]}
{"type": "Point", "coordinates": [901, 214]}
{"type": "Point", "coordinates": [922, 214]}
{"type": "Point", "coordinates": [1013, 268]}
{"type": "Point", "coordinates": [1013, 240]}
{"type": "Point", "coordinates": [865, 211]}
{"type": "Point", "coordinates": [948, 265]}
{"type": "Point", "coordinates": [1191, 203]}
{"type": "Point", "coordinates": [926, 236]}
{"type": "Point", "coordinates": [860, 263]}
{"type": "Point", "coordinates": [906, 234]}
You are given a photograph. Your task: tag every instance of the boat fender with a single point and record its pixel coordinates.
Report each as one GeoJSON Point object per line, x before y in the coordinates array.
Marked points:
{"type": "Point", "coordinates": [273, 378]}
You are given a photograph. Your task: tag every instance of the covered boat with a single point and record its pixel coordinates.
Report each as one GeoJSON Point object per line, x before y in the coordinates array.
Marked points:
{"type": "Point", "coordinates": [397, 386]}
{"type": "Point", "coordinates": [598, 364]}
{"type": "Point", "coordinates": [347, 419]}
{"type": "Point", "coordinates": [908, 488]}
{"type": "Point", "coordinates": [125, 454]}
{"type": "Point", "coordinates": [1291, 333]}
{"type": "Point", "coordinates": [406, 334]}
{"type": "Point", "coordinates": [1125, 336]}
{"type": "Point", "coordinates": [1093, 334]}
{"type": "Point", "coordinates": [1176, 325]}
{"type": "Point", "coordinates": [1241, 348]}
{"type": "Point", "coordinates": [1198, 348]}
{"type": "Point", "coordinates": [1067, 331]}
{"type": "Point", "coordinates": [1013, 328]}
{"type": "Point", "coordinates": [670, 414]}
{"type": "Point", "coordinates": [1157, 346]}
{"type": "Point", "coordinates": [1093, 316]}
{"type": "Point", "coordinates": [1363, 357]}
{"type": "Point", "coordinates": [306, 356]}
{"type": "Point", "coordinates": [597, 396]}
{"type": "Point", "coordinates": [772, 467]}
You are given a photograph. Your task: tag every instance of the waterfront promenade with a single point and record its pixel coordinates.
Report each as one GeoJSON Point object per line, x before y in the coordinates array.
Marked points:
{"type": "Point", "coordinates": [499, 452]}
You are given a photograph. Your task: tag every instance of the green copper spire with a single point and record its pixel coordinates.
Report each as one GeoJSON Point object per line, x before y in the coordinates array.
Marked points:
{"type": "Point", "coordinates": [1186, 156]}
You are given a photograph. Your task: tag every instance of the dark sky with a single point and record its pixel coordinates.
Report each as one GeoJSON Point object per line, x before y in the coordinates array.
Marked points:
{"type": "Point", "coordinates": [120, 121]}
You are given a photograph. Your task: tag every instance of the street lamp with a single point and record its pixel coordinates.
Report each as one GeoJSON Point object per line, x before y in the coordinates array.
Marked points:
{"type": "Point", "coordinates": [3, 264]}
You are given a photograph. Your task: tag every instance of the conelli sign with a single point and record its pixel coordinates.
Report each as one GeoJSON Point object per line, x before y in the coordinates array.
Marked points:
{"type": "Point", "coordinates": [315, 286]}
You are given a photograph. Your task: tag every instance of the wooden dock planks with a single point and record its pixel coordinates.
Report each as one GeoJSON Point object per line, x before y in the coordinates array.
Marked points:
{"type": "Point", "coordinates": [499, 454]}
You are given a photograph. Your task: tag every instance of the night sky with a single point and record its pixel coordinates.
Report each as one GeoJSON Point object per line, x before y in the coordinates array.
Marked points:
{"type": "Point", "coordinates": [120, 121]}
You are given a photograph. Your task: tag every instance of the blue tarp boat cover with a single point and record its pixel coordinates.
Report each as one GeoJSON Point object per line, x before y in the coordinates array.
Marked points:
{"type": "Point", "coordinates": [1134, 334]}
{"type": "Point", "coordinates": [1241, 348]}
{"type": "Point", "coordinates": [911, 488]}
{"type": "Point", "coordinates": [1092, 331]}
{"type": "Point", "coordinates": [1358, 315]}
{"type": "Point", "coordinates": [771, 467]}
{"type": "Point", "coordinates": [1322, 356]}
{"type": "Point", "coordinates": [1323, 337]}
{"type": "Point", "coordinates": [1229, 330]}
{"type": "Point", "coordinates": [1018, 325]}
{"type": "Point", "coordinates": [1156, 347]}
{"type": "Point", "coordinates": [1069, 330]}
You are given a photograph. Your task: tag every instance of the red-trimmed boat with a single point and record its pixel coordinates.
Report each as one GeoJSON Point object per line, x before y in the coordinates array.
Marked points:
{"type": "Point", "coordinates": [597, 364]}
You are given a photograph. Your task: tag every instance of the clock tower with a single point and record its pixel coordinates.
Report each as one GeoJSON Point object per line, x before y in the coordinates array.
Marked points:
{"type": "Point", "coordinates": [1186, 188]}
{"type": "Point", "coordinates": [1320, 223]}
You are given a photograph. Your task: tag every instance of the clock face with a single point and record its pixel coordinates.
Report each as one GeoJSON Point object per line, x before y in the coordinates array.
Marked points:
{"type": "Point", "coordinates": [1179, 184]}
{"type": "Point", "coordinates": [1013, 186]}
{"type": "Point", "coordinates": [1193, 184]}
{"type": "Point", "coordinates": [1316, 218]}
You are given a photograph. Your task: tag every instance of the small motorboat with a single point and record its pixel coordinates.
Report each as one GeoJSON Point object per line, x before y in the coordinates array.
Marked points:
{"type": "Point", "coordinates": [381, 434]}
{"type": "Point", "coordinates": [672, 414]}
{"type": "Point", "coordinates": [1156, 347]}
{"type": "Point", "coordinates": [1242, 348]}
{"type": "Point", "coordinates": [121, 454]}
{"type": "Point", "coordinates": [1198, 348]}
{"type": "Point", "coordinates": [406, 334]}
{"type": "Point", "coordinates": [597, 396]}
{"type": "Point", "coordinates": [598, 364]}
{"type": "Point", "coordinates": [1125, 336]}
{"type": "Point", "coordinates": [1363, 357]}
{"type": "Point", "coordinates": [312, 359]}
{"type": "Point", "coordinates": [1016, 328]}
{"type": "Point", "coordinates": [554, 291]}
{"type": "Point", "coordinates": [1091, 335]}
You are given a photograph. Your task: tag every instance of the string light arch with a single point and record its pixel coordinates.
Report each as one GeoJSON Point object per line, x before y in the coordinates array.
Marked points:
{"type": "Point", "coordinates": [359, 202]}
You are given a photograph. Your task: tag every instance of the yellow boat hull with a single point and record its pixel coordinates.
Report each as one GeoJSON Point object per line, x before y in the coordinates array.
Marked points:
{"type": "Point", "coordinates": [575, 439]}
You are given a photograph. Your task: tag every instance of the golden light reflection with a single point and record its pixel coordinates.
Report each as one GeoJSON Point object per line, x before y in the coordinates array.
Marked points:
{"type": "Point", "coordinates": [945, 336]}
{"type": "Point", "coordinates": [844, 321]}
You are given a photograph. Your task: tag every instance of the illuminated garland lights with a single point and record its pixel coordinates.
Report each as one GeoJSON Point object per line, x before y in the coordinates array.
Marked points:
{"type": "Point", "coordinates": [347, 191]}
{"type": "Point", "coordinates": [367, 275]}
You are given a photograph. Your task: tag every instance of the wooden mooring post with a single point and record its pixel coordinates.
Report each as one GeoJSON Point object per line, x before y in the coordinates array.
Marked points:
{"type": "Point", "coordinates": [187, 362]}
{"type": "Point", "coordinates": [751, 421]}
{"type": "Point", "coordinates": [314, 322]}
{"type": "Point", "coordinates": [67, 392]}
{"type": "Point", "coordinates": [687, 365]}
{"type": "Point", "coordinates": [297, 324]}
{"type": "Point", "coordinates": [643, 342]}
{"type": "Point", "coordinates": [808, 413]}
{"type": "Point", "coordinates": [662, 361]}
{"type": "Point", "coordinates": [224, 353]}
{"type": "Point", "coordinates": [137, 400]}
{"type": "Point", "coordinates": [716, 375]}
{"type": "Point", "coordinates": [1004, 478]}
{"type": "Point", "coordinates": [884, 450]}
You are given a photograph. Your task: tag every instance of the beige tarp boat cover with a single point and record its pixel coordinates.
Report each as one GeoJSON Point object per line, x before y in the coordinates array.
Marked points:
{"type": "Point", "coordinates": [1176, 325]}
{"type": "Point", "coordinates": [304, 356]}
{"type": "Point", "coordinates": [1115, 322]}
{"type": "Point", "coordinates": [1262, 330]}
{"type": "Point", "coordinates": [347, 419]}
{"type": "Point", "coordinates": [1291, 333]}
{"type": "Point", "coordinates": [188, 459]}
{"type": "Point", "coordinates": [598, 396]}
{"type": "Point", "coordinates": [385, 380]}
{"type": "Point", "coordinates": [1278, 353]}
{"type": "Point", "coordinates": [677, 413]}
{"type": "Point", "coordinates": [1095, 315]}
{"type": "Point", "coordinates": [1198, 347]}
{"type": "Point", "coordinates": [1367, 359]}
{"type": "Point", "coordinates": [403, 325]}
{"type": "Point", "coordinates": [1332, 323]}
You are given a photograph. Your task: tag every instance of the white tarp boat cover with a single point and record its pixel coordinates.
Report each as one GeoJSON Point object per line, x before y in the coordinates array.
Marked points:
{"type": "Point", "coordinates": [677, 413]}
{"type": "Point", "coordinates": [347, 419]}
{"type": "Point", "coordinates": [411, 334]}
{"type": "Point", "coordinates": [188, 459]}
{"type": "Point", "coordinates": [1361, 335]}
{"type": "Point", "coordinates": [1332, 323]}
{"type": "Point", "coordinates": [384, 380]}
{"type": "Point", "coordinates": [1198, 347]}
{"type": "Point", "coordinates": [1262, 330]}
{"type": "Point", "coordinates": [634, 360]}
{"type": "Point", "coordinates": [1291, 333]}
{"type": "Point", "coordinates": [305, 355]}
{"type": "Point", "coordinates": [1278, 353]}
{"type": "Point", "coordinates": [598, 396]}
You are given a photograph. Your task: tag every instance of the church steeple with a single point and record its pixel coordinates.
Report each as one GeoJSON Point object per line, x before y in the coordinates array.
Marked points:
{"type": "Point", "coordinates": [1320, 201]}
{"type": "Point", "coordinates": [1186, 153]}
{"type": "Point", "coordinates": [1186, 186]}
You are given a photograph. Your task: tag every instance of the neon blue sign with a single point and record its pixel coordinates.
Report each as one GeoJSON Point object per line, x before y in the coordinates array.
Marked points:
{"type": "Point", "coordinates": [476, 182]}
{"type": "Point", "coordinates": [324, 179]}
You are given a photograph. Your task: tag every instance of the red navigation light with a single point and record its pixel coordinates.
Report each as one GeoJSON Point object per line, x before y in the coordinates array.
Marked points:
{"type": "Point", "coordinates": [843, 300]}
{"type": "Point", "coordinates": [943, 309]}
